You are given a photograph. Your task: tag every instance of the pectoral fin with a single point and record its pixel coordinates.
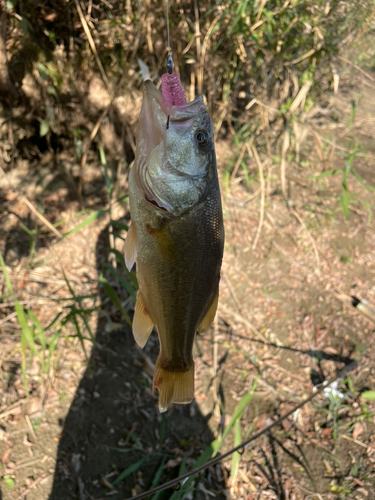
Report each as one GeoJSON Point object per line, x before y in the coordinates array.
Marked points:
{"type": "Point", "coordinates": [142, 322]}
{"type": "Point", "coordinates": [208, 319]}
{"type": "Point", "coordinates": [130, 247]}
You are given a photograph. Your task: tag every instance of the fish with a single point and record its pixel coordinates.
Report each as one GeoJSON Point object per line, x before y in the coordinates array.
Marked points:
{"type": "Point", "coordinates": [176, 236]}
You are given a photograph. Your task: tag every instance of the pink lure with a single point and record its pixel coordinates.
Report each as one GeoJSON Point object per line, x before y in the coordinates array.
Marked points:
{"type": "Point", "coordinates": [172, 90]}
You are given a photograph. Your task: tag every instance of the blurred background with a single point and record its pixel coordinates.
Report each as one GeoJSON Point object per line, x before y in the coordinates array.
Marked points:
{"type": "Point", "coordinates": [290, 86]}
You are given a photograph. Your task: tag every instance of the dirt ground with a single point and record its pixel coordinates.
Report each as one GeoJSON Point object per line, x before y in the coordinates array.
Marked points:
{"type": "Point", "coordinates": [284, 320]}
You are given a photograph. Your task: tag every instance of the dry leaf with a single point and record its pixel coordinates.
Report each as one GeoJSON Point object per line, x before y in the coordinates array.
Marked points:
{"type": "Point", "coordinates": [26, 442]}
{"type": "Point", "coordinates": [106, 484]}
{"type": "Point", "coordinates": [173, 462]}
{"type": "Point", "coordinates": [358, 429]}
{"type": "Point", "coordinates": [327, 432]}
{"type": "Point", "coordinates": [363, 491]}
{"type": "Point", "coordinates": [33, 406]}
{"type": "Point", "coordinates": [261, 420]}
{"type": "Point", "coordinates": [5, 456]}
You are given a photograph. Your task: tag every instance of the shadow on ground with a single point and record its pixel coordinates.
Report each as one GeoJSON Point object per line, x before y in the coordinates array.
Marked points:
{"type": "Point", "coordinates": [114, 422]}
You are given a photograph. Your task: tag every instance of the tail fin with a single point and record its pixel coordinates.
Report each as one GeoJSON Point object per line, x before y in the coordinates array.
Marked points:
{"type": "Point", "coordinates": [174, 387]}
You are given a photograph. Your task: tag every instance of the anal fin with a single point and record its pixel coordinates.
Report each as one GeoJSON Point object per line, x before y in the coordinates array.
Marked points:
{"type": "Point", "coordinates": [208, 319]}
{"type": "Point", "coordinates": [130, 247]}
{"type": "Point", "coordinates": [142, 322]}
{"type": "Point", "coordinates": [174, 387]}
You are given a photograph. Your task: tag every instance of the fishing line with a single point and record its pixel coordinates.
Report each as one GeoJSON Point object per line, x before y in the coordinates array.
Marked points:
{"type": "Point", "coordinates": [168, 37]}
{"type": "Point", "coordinates": [179, 481]}
{"type": "Point", "coordinates": [169, 48]}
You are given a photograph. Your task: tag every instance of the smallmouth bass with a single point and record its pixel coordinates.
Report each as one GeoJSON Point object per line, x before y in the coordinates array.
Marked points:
{"type": "Point", "coordinates": [177, 235]}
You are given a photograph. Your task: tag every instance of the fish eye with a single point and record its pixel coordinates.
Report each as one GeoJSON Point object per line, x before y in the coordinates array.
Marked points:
{"type": "Point", "coordinates": [202, 138]}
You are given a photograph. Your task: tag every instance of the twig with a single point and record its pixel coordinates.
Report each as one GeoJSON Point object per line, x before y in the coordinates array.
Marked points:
{"type": "Point", "coordinates": [92, 44]}
{"type": "Point", "coordinates": [241, 319]}
{"type": "Point", "coordinates": [31, 428]}
{"type": "Point", "coordinates": [40, 217]}
{"type": "Point", "coordinates": [357, 68]}
{"type": "Point", "coordinates": [287, 372]}
{"type": "Point", "coordinates": [222, 116]}
{"type": "Point", "coordinates": [12, 411]}
{"type": "Point", "coordinates": [300, 97]}
{"type": "Point", "coordinates": [261, 7]}
{"type": "Point", "coordinates": [299, 59]}
{"type": "Point", "coordinates": [266, 128]}
{"type": "Point", "coordinates": [35, 483]}
{"type": "Point", "coordinates": [8, 318]}
{"type": "Point", "coordinates": [238, 163]}
{"type": "Point", "coordinates": [262, 192]}
{"type": "Point", "coordinates": [284, 150]}
{"type": "Point", "coordinates": [15, 406]}
{"type": "Point", "coordinates": [30, 462]}
{"type": "Point", "coordinates": [205, 45]}
{"type": "Point", "coordinates": [260, 103]}
{"type": "Point", "coordinates": [252, 196]}
{"type": "Point", "coordinates": [187, 48]}
{"type": "Point", "coordinates": [348, 438]}
{"type": "Point", "coordinates": [311, 493]}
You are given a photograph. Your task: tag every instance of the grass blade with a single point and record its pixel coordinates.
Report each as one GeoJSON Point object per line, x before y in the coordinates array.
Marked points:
{"type": "Point", "coordinates": [131, 275]}
{"type": "Point", "coordinates": [6, 275]}
{"type": "Point", "coordinates": [178, 494]}
{"type": "Point", "coordinates": [236, 415]}
{"type": "Point", "coordinates": [120, 225]}
{"type": "Point", "coordinates": [156, 479]}
{"type": "Point", "coordinates": [236, 456]}
{"type": "Point", "coordinates": [132, 468]}
{"type": "Point", "coordinates": [25, 333]}
{"type": "Point", "coordinates": [89, 220]}
{"type": "Point", "coordinates": [327, 173]}
{"type": "Point", "coordinates": [361, 181]}
{"type": "Point", "coordinates": [114, 298]}
{"type": "Point", "coordinates": [81, 338]}
{"type": "Point", "coordinates": [124, 283]}
{"type": "Point", "coordinates": [39, 328]}
{"type": "Point", "coordinates": [206, 455]}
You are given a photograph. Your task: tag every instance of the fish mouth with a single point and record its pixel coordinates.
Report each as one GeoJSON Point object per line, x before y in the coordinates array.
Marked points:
{"type": "Point", "coordinates": [165, 172]}
{"type": "Point", "coordinates": [156, 113]}
{"type": "Point", "coordinates": [155, 203]}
